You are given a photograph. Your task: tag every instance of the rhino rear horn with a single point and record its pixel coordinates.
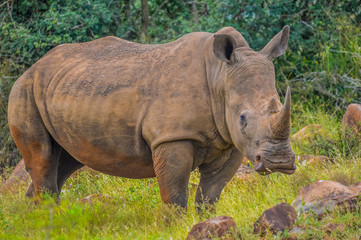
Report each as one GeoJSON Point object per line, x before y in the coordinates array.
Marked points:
{"type": "Point", "coordinates": [281, 124]}
{"type": "Point", "coordinates": [273, 107]}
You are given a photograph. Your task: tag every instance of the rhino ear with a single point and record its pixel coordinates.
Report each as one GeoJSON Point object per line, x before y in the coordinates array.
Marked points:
{"type": "Point", "coordinates": [278, 45]}
{"type": "Point", "coordinates": [223, 47]}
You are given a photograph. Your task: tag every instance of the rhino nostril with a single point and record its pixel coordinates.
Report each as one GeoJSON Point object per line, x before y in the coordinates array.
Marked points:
{"type": "Point", "coordinates": [259, 166]}
{"type": "Point", "coordinates": [258, 157]}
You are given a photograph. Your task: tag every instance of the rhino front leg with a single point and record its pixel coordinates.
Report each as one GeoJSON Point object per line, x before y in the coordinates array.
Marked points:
{"type": "Point", "coordinates": [173, 164]}
{"type": "Point", "coordinates": [213, 180]}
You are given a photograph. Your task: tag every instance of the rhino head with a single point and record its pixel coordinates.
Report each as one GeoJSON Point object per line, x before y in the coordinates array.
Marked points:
{"type": "Point", "coordinates": [258, 124]}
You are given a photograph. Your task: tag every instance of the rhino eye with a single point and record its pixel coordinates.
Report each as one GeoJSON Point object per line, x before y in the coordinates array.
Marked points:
{"type": "Point", "coordinates": [243, 118]}
{"type": "Point", "coordinates": [243, 121]}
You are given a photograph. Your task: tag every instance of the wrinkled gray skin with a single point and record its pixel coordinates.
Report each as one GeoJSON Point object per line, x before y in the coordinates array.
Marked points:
{"type": "Point", "coordinates": [139, 111]}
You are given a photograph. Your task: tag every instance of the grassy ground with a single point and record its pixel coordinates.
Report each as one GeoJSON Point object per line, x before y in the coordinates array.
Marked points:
{"type": "Point", "coordinates": [135, 210]}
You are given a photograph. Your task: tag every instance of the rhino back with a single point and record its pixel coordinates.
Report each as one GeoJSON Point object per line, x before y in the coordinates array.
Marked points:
{"type": "Point", "coordinates": [109, 101]}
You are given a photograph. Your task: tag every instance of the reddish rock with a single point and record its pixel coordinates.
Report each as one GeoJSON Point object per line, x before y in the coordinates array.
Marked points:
{"type": "Point", "coordinates": [313, 159]}
{"type": "Point", "coordinates": [221, 227]}
{"type": "Point", "coordinates": [356, 188]}
{"type": "Point", "coordinates": [95, 198]}
{"type": "Point", "coordinates": [322, 196]}
{"type": "Point", "coordinates": [18, 178]}
{"type": "Point", "coordinates": [276, 219]}
{"type": "Point", "coordinates": [352, 118]}
{"type": "Point", "coordinates": [244, 172]}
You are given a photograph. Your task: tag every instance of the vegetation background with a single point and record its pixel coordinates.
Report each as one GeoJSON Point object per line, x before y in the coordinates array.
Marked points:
{"type": "Point", "coordinates": [322, 67]}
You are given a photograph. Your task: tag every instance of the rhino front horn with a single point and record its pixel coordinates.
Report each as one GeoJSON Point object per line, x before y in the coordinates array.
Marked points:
{"type": "Point", "coordinates": [281, 124]}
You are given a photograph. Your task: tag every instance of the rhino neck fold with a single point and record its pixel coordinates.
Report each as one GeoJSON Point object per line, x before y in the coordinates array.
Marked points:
{"type": "Point", "coordinates": [216, 74]}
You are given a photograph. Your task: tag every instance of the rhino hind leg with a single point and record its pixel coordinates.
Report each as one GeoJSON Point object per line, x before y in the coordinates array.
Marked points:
{"type": "Point", "coordinates": [39, 150]}
{"type": "Point", "coordinates": [41, 156]}
{"type": "Point", "coordinates": [173, 165]}
{"type": "Point", "coordinates": [67, 166]}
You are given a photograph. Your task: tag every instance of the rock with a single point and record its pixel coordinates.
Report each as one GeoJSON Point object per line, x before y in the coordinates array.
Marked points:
{"type": "Point", "coordinates": [295, 231]}
{"type": "Point", "coordinates": [95, 198]}
{"type": "Point", "coordinates": [278, 218]}
{"type": "Point", "coordinates": [352, 118]}
{"type": "Point", "coordinates": [313, 159]}
{"type": "Point", "coordinates": [244, 172]}
{"type": "Point", "coordinates": [356, 188]}
{"type": "Point", "coordinates": [307, 133]}
{"type": "Point", "coordinates": [221, 227]}
{"type": "Point", "coordinates": [322, 196]}
{"type": "Point", "coordinates": [18, 178]}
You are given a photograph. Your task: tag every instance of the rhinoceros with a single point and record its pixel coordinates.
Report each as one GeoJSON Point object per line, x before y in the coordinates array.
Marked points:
{"type": "Point", "coordinates": [141, 111]}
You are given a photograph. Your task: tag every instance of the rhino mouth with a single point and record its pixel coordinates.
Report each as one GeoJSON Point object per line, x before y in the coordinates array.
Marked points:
{"type": "Point", "coordinates": [263, 170]}
{"type": "Point", "coordinates": [285, 171]}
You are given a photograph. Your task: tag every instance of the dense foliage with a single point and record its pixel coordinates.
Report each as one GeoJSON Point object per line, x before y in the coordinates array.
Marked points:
{"type": "Point", "coordinates": [323, 65]}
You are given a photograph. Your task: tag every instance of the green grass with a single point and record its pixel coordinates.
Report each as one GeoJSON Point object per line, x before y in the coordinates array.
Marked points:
{"type": "Point", "coordinates": [135, 210]}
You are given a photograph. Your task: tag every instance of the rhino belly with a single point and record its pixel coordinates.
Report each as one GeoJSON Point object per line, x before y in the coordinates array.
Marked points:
{"type": "Point", "coordinates": [102, 132]}
{"type": "Point", "coordinates": [115, 156]}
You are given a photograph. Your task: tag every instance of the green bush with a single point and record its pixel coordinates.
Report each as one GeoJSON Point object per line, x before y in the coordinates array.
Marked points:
{"type": "Point", "coordinates": [9, 155]}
